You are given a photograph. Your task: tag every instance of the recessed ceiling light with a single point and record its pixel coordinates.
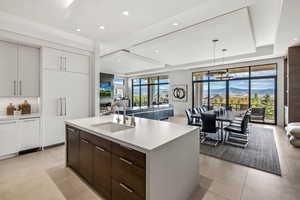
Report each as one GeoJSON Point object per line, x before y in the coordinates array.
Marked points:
{"type": "Point", "coordinates": [78, 29]}
{"type": "Point", "coordinates": [156, 51]}
{"type": "Point", "coordinates": [101, 27]}
{"type": "Point", "coordinates": [126, 13]}
{"type": "Point", "coordinates": [175, 24]}
{"type": "Point", "coordinates": [296, 39]}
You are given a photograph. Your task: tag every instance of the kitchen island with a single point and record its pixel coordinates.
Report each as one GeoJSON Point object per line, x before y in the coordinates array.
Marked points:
{"type": "Point", "coordinates": [155, 160]}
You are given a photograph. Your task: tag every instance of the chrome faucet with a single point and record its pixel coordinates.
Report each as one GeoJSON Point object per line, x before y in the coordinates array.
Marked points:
{"type": "Point", "coordinates": [120, 103]}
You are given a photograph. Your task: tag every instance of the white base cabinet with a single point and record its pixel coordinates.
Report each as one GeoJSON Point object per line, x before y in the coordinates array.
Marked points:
{"type": "Point", "coordinates": [19, 135]}
{"type": "Point", "coordinates": [30, 134]}
{"type": "Point", "coordinates": [9, 138]}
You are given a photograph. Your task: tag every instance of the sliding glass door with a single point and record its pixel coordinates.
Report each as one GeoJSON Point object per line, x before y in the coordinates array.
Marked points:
{"type": "Point", "coordinates": [263, 100]}
{"type": "Point", "coordinates": [217, 94]}
{"type": "Point", "coordinates": [238, 95]}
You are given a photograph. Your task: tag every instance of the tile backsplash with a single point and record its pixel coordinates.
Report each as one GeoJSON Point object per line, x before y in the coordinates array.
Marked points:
{"type": "Point", "coordinates": [34, 101]}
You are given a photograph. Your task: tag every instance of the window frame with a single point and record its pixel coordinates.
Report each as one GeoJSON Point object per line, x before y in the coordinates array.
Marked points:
{"type": "Point", "coordinates": [148, 84]}
{"type": "Point", "coordinates": [249, 78]}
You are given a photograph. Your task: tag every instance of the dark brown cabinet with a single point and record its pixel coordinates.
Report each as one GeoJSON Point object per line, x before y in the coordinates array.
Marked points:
{"type": "Point", "coordinates": [86, 160]}
{"type": "Point", "coordinates": [102, 171]}
{"type": "Point", "coordinates": [293, 87]}
{"type": "Point", "coordinates": [73, 148]}
{"type": "Point", "coordinates": [114, 171]}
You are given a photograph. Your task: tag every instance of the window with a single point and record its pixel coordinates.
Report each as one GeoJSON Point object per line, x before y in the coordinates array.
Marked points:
{"type": "Point", "coordinates": [217, 94]}
{"type": "Point", "coordinates": [252, 86]}
{"type": "Point", "coordinates": [136, 96]}
{"type": "Point", "coordinates": [239, 95]}
{"type": "Point", "coordinates": [199, 76]}
{"type": "Point", "coordinates": [119, 89]}
{"type": "Point", "coordinates": [150, 92]}
{"type": "Point", "coordinates": [200, 94]}
{"type": "Point", "coordinates": [241, 72]}
{"type": "Point", "coordinates": [265, 70]}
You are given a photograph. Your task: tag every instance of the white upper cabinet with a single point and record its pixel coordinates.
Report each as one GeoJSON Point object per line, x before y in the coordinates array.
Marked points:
{"type": "Point", "coordinates": [77, 63]}
{"type": "Point", "coordinates": [19, 70]}
{"type": "Point", "coordinates": [8, 69]}
{"type": "Point", "coordinates": [53, 59]}
{"type": "Point", "coordinates": [64, 61]}
{"type": "Point", "coordinates": [29, 72]}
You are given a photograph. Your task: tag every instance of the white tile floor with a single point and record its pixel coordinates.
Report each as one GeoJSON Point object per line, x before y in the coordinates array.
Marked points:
{"type": "Point", "coordinates": [42, 176]}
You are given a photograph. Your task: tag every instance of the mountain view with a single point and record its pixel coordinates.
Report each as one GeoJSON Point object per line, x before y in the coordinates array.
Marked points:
{"type": "Point", "coordinates": [240, 91]}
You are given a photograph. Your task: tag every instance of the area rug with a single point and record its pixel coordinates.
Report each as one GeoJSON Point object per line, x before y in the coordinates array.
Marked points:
{"type": "Point", "coordinates": [261, 152]}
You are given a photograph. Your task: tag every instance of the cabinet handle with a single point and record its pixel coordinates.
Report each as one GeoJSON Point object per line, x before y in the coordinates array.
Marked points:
{"type": "Point", "coordinates": [20, 83]}
{"type": "Point", "coordinates": [65, 64]}
{"type": "Point", "coordinates": [65, 99]}
{"type": "Point", "coordinates": [126, 188]}
{"type": "Point", "coordinates": [84, 141]}
{"type": "Point", "coordinates": [60, 63]}
{"type": "Point", "coordinates": [15, 84]}
{"type": "Point", "coordinates": [126, 161]}
{"type": "Point", "coordinates": [126, 147]}
{"type": "Point", "coordinates": [61, 107]}
{"type": "Point", "coordinates": [100, 149]}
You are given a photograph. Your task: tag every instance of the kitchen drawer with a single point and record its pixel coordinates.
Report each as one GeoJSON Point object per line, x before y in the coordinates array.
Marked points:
{"type": "Point", "coordinates": [137, 158]}
{"type": "Point", "coordinates": [122, 192]}
{"type": "Point", "coordinates": [131, 175]}
{"type": "Point", "coordinates": [100, 142]}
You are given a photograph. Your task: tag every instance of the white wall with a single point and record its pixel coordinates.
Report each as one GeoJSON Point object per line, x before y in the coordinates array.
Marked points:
{"type": "Point", "coordinates": [178, 78]}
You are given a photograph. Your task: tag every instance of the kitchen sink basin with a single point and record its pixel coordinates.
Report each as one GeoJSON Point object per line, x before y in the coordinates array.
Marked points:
{"type": "Point", "coordinates": [111, 127]}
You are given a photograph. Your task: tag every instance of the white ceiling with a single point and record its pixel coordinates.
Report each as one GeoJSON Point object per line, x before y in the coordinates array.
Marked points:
{"type": "Point", "coordinates": [289, 27]}
{"type": "Point", "coordinates": [195, 43]}
{"type": "Point", "coordinates": [241, 26]}
{"type": "Point", "coordinates": [265, 16]}
{"type": "Point", "coordinates": [88, 15]}
{"type": "Point", "coordinates": [126, 62]}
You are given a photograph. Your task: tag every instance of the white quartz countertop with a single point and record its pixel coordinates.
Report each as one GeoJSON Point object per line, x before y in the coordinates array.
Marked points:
{"type": "Point", "coordinates": [19, 117]}
{"type": "Point", "coordinates": [147, 135]}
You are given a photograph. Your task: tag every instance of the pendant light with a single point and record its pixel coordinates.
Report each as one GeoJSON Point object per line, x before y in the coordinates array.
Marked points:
{"type": "Point", "coordinates": [226, 77]}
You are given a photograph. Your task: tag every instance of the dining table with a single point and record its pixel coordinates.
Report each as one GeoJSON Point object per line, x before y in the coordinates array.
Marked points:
{"type": "Point", "coordinates": [227, 116]}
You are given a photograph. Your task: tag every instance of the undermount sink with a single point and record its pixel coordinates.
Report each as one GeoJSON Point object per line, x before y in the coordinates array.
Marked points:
{"type": "Point", "coordinates": [111, 127]}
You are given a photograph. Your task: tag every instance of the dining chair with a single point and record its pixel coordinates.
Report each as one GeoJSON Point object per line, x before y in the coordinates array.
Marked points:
{"type": "Point", "coordinates": [190, 120]}
{"type": "Point", "coordinates": [239, 122]}
{"type": "Point", "coordinates": [237, 135]}
{"type": "Point", "coordinates": [204, 108]}
{"type": "Point", "coordinates": [209, 129]}
{"type": "Point", "coordinates": [196, 111]}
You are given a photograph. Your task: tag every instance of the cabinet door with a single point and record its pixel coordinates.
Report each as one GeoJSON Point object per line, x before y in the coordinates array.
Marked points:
{"type": "Point", "coordinates": [8, 69]}
{"type": "Point", "coordinates": [30, 134]}
{"type": "Point", "coordinates": [77, 63]}
{"type": "Point", "coordinates": [52, 59]}
{"type": "Point", "coordinates": [9, 138]}
{"type": "Point", "coordinates": [77, 95]}
{"type": "Point", "coordinates": [73, 148]}
{"type": "Point", "coordinates": [86, 151]}
{"type": "Point", "coordinates": [102, 172]}
{"type": "Point", "coordinates": [29, 72]}
{"type": "Point", "coordinates": [53, 119]}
